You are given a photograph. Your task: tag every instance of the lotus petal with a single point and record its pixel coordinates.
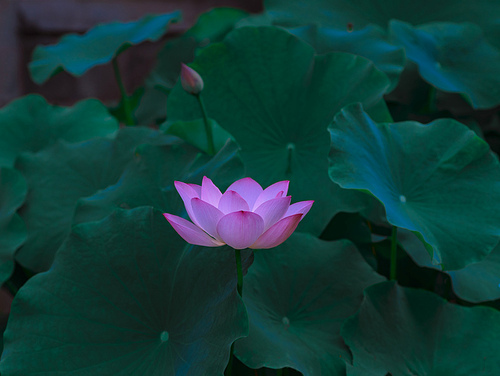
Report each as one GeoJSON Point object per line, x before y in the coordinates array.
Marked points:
{"type": "Point", "coordinates": [248, 188]}
{"type": "Point", "coordinates": [272, 192]}
{"type": "Point", "coordinates": [191, 233]}
{"type": "Point", "coordinates": [240, 229]}
{"type": "Point", "coordinates": [278, 233]}
{"type": "Point", "coordinates": [207, 216]}
{"type": "Point", "coordinates": [231, 201]}
{"type": "Point", "coordinates": [209, 192]}
{"type": "Point", "coordinates": [273, 210]}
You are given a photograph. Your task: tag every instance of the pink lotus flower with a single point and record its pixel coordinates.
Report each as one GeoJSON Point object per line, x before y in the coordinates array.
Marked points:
{"type": "Point", "coordinates": [245, 216]}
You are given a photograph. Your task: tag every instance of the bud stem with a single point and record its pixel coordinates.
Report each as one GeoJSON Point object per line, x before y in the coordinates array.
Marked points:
{"type": "Point", "coordinates": [208, 128]}
{"type": "Point", "coordinates": [129, 120]}
{"type": "Point", "coordinates": [239, 271]}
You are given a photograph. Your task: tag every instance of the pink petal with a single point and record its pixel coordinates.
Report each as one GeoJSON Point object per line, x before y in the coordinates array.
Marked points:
{"type": "Point", "coordinates": [231, 202]}
{"type": "Point", "coordinates": [248, 188]}
{"type": "Point", "coordinates": [191, 233]}
{"type": "Point", "coordinates": [277, 233]}
{"type": "Point", "coordinates": [187, 192]}
{"type": "Point", "coordinates": [272, 192]}
{"type": "Point", "coordinates": [209, 192]}
{"type": "Point", "coordinates": [207, 216]}
{"type": "Point", "coordinates": [240, 229]}
{"type": "Point", "coordinates": [301, 207]}
{"type": "Point", "coordinates": [197, 188]}
{"type": "Point", "coordinates": [273, 210]}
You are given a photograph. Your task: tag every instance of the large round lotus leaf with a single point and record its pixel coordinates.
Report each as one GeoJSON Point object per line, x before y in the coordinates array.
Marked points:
{"type": "Point", "coordinates": [211, 27]}
{"type": "Point", "coordinates": [58, 176]}
{"type": "Point", "coordinates": [408, 332]}
{"type": "Point", "coordinates": [297, 297]}
{"type": "Point", "coordinates": [127, 296]}
{"type": "Point", "coordinates": [276, 98]}
{"type": "Point", "coordinates": [13, 190]}
{"type": "Point", "coordinates": [149, 179]}
{"type": "Point", "coordinates": [359, 13]}
{"type": "Point", "coordinates": [370, 42]}
{"type": "Point", "coordinates": [76, 54]}
{"type": "Point", "coordinates": [454, 58]}
{"type": "Point", "coordinates": [31, 124]}
{"type": "Point", "coordinates": [477, 282]}
{"type": "Point", "coordinates": [425, 175]}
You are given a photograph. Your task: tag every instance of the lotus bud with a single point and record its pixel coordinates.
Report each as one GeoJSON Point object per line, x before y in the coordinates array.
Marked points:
{"type": "Point", "coordinates": [191, 81]}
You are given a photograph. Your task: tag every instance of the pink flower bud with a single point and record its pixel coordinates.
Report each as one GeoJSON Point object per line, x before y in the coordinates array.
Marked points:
{"type": "Point", "coordinates": [190, 79]}
{"type": "Point", "coordinates": [245, 216]}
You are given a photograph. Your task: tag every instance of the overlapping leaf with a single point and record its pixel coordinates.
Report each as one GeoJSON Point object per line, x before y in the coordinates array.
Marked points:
{"type": "Point", "coordinates": [454, 58]}
{"type": "Point", "coordinates": [31, 124]}
{"type": "Point", "coordinates": [211, 27]}
{"type": "Point", "coordinates": [297, 296]}
{"type": "Point", "coordinates": [76, 54]}
{"type": "Point", "coordinates": [276, 98]}
{"type": "Point", "coordinates": [477, 282]}
{"type": "Point", "coordinates": [359, 13]}
{"type": "Point", "coordinates": [405, 331]}
{"type": "Point", "coordinates": [12, 229]}
{"type": "Point", "coordinates": [149, 179]}
{"type": "Point", "coordinates": [425, 175]}
{"type": "Point", "coordinates": [370, 42]}
{"type": "Point", "coordinates": [127, 296]}
{"type": "Point", "coordinates": [58, 176]}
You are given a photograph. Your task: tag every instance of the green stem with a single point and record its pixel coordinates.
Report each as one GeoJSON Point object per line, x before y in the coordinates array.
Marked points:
{"type": "Point", "coordinates": [208, 129]}
{"type": "Point", "coordinates": [394, 249]}
{"type": "Point", "coordinates": [239, 271]}
{"type": "Point", "coordinates": [129, 119]}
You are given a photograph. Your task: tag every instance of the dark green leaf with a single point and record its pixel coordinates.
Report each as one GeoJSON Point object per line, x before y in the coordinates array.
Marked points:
{"type": "Point", "coordinates": [76, 54]}
{"type": "Point", "coordinates": [297, 296]}
{"type": "Point", "coordinates": [407, 332]}
{"type": "Point", "coordinates": [12, 229]}
{"type": "Point", "coordinates": [127, 296]}
{"type": "Point", "coordinates": [454, 58]}
{"type": "Point", "coordinates": [58, 176]}
{"type": "Point", "coordinates": [425, 175]}
{"type": "Point", "coordinates": [31, 124]}
{"type": "Point", "coordinates": [370, 42]}
{"type": "Point", "coordinates": [276, 98]}
{"type": "Point", "coordinates": [149, 179]}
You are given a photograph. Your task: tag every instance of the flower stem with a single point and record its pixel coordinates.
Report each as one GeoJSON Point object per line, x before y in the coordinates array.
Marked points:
{"type": "Point", "coordinates": [394, 249]}
{"type": "Point", "coordinates": [239, 271]}
{"type": "Point", "coordinates": [129, 120]}
{"type": "Point", "coordinates": [208, 129]}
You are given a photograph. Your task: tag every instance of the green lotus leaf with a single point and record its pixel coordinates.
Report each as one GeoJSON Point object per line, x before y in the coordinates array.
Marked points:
{"type": "Point", "coordinates": [127, 296]}
{"type": "Point", "coordinates": [276, 98]}
{"type": "Point", "coordinates": [360, 13]}
{"type": "Point", "coordinates": [76, 54]}
{"type": "Point", "coordinates": [211, 27]}
{"type": "Point", "coordinates": [297, 296]}
{"type": "Point", "coordinates": [31, 124]}
{"type": "Point", "coordinates": [370, 42]}
{"type": "Point", "coordinates": [425, 175]}
{"type": "Point", "coordinates": [477, 282]}
{"type": "Point", "coordinates": [149, 179]}
{"type": "Point", "coordinates": [58, 176]}
{"type": "Point", "coordinates": [454, 58]}
{"type": "Point", "coordinates": [13, 191]}
{"type": "Point", "coordinates": [405, 331]}
{"type": "Point", "coordinates": [194, 132]}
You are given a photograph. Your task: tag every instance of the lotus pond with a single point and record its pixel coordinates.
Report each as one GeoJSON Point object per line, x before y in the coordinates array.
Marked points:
{"type": "Point", "coordinates": [174, 232]}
